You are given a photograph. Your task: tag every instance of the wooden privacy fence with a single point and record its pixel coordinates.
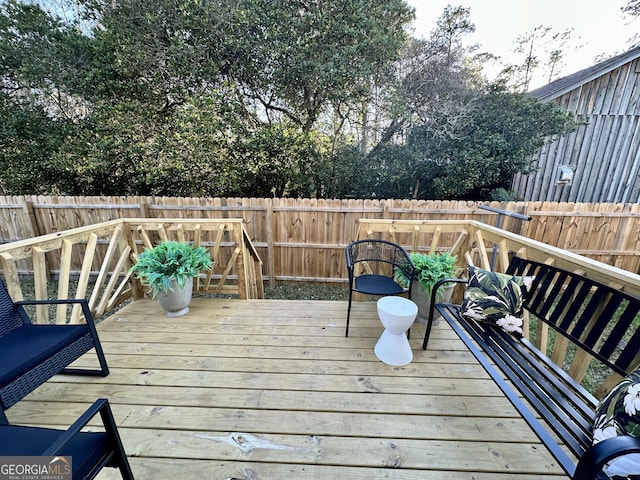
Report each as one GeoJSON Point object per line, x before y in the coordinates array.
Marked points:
{"type": "Point", "coordinates": [304, 239]}
{"type": "Point", "coordinates": [103, 273]}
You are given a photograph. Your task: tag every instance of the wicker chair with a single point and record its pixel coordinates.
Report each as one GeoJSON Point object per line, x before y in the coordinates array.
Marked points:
{"type": "Point", "coordinates": [31, 354]}
{"type": "Point", "coordinates": [371, 265]}
{"type": "Point", "coordinates": [85, 453]}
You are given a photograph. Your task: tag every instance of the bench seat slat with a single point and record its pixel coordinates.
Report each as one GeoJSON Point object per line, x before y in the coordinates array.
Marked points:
{"type": "Point", "coordinates": [448, 312]}
{"type": "Point", "coordinates": [549, 395]}
{"type": "Point", "coordinates": [596, 318]}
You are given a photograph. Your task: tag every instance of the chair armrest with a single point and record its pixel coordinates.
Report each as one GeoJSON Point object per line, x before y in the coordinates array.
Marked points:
{"type": "Point", "coordinates": [596, 457]}
{"type": "Point", "coordinates": [88, 316]}
{"type": "Point", "coordinates": [434, 293]}
{"type": "Point", "coordinates": [432, 306]}
{"type": "Point", "coordinates": [99, 406]}
{"type": "Point", "coordinates": [50, 302]}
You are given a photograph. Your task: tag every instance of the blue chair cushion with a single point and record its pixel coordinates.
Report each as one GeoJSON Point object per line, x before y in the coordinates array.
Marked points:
{"type": "Point", "coordinates": [377, 285]}
{"type": "Point", "coordinates": [28, 346]}
{"type": "Point", "coordinates": [86, 449]}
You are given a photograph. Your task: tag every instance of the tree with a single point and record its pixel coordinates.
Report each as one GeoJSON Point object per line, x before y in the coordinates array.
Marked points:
{"type": "Point", "coordinates": [29, 141]}
{"type": "Point", "coordinates": [449, 135]}
{"type": "Point", "coordinates": [543, 53]}
{"type": "Point", "coordinates": [296, 59]}
{"type": "Point", "coordinates": [453, 24]}
{"type": "Point", "coordinates": [137, 79]}
{"type": "Point", "coordinates": [40, 55]}
{"type": "Point", "coordinates": [527, 45]}
{"type": "Point", "coordinates": [478, 157]}
{"type": "Point", "coordinates": [430, 91]}
{"type": "Point", "coordinates": [431, 80]}
{"type": "Point", "coordinates": [250, 98]}
{"type": "Point", "coordinates": [555, 53]}
{"type": "Point", "coordinates": [632, 8]}
{"type": "Point", "coordinates": [504, 131]}
{"type": "Point", "coordinates": [160, 52]}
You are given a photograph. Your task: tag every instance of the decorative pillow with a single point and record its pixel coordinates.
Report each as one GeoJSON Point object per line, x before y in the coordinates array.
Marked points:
{"type": "Point", "coordinates": [619, 414]}
{"type": "Point", "coordinates": [496, 298]}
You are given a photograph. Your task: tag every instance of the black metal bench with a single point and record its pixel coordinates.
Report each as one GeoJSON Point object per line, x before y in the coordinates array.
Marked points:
{"type": "Point", "coordinates": [597, 319]}
{"type": "Point", "coordinates": [31, 354]}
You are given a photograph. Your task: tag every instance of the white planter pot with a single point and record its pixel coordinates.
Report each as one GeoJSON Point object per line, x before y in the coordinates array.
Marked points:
{"type": "Point", "coordinates": [420, 297]}
{"type": "Point", "coordinates": [176, 302]}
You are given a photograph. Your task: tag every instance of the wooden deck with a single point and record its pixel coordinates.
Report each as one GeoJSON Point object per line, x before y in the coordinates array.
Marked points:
{"type": "Point", "coordinates": [269, 389]}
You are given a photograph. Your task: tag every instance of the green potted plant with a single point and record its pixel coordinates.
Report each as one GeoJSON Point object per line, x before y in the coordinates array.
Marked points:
{"type": "Point", "coordinates": [429, 269]}
{"type": "Point", "coordinates": [168, 269]}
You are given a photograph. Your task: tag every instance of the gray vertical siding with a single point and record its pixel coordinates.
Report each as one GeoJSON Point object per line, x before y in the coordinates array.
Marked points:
{"type": "Point", "coordinates": [604, 151]}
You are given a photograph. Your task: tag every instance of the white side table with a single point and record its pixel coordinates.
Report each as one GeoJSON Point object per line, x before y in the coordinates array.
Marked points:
{"type": "Point", "coordinates": [397, 315]}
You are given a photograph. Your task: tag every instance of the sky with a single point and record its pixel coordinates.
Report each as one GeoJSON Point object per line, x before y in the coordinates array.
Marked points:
{"type": "Point", "coordinates": [599, 26]}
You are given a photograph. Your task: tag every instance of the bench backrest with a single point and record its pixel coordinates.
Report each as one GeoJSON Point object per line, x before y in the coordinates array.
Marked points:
{"type": "Point", "coordinates": [10, 318]}
{"type": "Point", "coordinates": [599, 319]}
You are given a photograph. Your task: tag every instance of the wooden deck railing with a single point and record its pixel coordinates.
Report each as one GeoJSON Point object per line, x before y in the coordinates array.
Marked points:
{"type": "Point", "coordinates": [303, 239]}
{"type": "Point", "coordinates": [108, 250]}
{"type": "Point", "coordinates": [486, 246]}
{"type": "Point", "coordinates": [104, 278]}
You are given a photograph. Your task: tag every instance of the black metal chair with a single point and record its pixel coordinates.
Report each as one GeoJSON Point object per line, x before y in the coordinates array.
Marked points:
{"type": "Point", "coordinates": [84, 452]}
{"type": "Point", "coordinates": [31, 354]}
{"type": "Point", "coordinates": [371, 265]}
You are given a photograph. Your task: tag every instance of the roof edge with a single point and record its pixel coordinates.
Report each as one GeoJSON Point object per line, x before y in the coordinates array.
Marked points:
{"type": "Point", "coordinates": [565, 84]}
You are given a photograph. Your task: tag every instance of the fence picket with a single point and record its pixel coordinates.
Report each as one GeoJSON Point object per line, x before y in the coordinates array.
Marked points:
{"type": "Point", "coordinates": [304, 239]}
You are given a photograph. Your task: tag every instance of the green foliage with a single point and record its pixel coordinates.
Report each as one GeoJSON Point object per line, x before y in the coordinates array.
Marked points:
{"type": "Point", "coordinates": [188, 98]}
{"type": "Point", "coordinates": [127, 149]}
{"type": "Point", "coordinates": [281, 161]}
{"type": "Point", "coordinates": [29, 141]}
{"type": "Point", "coordinates": [429, 269]}
{"type": "Point", "coordinates": [503, 195]}
{"type": "Point", "coordinates": [253, 98]}
{"type": "Point", "coordinates": [298, 58]}
{"type": "Point", "coordinates": [170, 261]}
{"type": "Point", "coordinates": [497, 140]}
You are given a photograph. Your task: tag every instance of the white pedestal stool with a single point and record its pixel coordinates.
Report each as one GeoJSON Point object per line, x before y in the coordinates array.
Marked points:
{"type": "Point", "coordinates": [397, 315]}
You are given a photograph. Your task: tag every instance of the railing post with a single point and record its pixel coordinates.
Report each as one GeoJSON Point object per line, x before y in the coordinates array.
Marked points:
{"type": "Point", "coordinates": [501, 214]}
{"type": "Point", "coordinates": [271, 263]}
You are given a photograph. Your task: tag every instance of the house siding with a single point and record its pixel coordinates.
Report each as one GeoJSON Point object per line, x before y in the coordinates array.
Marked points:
{"type": "Point", "coordinates": [604, 151]}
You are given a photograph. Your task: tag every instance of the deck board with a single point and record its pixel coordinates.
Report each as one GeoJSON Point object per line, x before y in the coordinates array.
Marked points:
{"type": "Point", "coordinates": [270, 389]}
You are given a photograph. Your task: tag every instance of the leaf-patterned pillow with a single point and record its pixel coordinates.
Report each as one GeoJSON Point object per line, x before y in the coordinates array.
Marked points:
{"type": "Point", "coordinates": [619, 414]}
{"type": "Point", "coordinates": [496, 298]}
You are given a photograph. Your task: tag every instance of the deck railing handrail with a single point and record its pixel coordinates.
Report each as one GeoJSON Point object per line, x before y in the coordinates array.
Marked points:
{"type": "Point", "coordinates": [104, 276]}
{"type": "Point", "coordinates": [239, 268]}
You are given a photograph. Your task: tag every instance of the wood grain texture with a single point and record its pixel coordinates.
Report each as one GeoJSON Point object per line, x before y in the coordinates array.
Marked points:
{"type": "Point", "coordinates": [269, 389]}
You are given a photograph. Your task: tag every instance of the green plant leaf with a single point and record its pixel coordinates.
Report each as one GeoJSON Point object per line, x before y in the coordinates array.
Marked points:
{"type": "Point", "coordinates": [429, 269]}
{"type": "Point", "coordinates": [170, 261]}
